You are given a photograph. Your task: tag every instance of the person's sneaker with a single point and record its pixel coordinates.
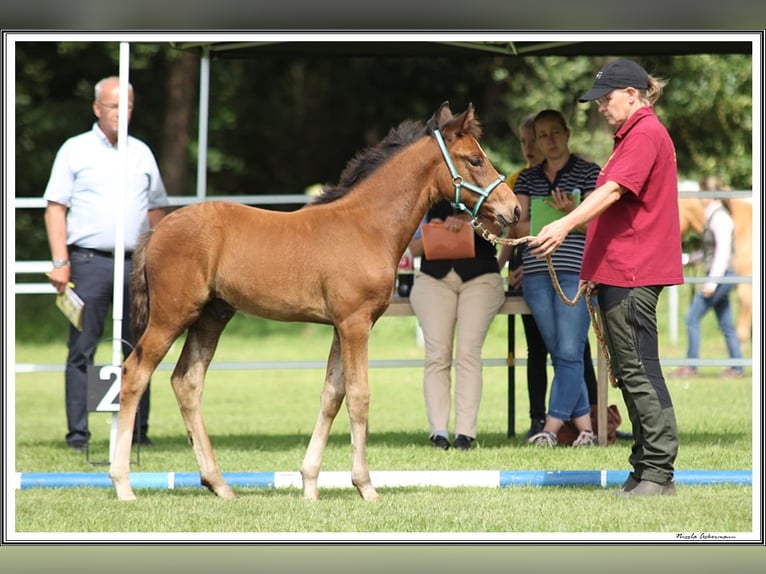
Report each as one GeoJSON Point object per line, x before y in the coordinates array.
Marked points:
{"type": "Point", "coordinates": [732, 373]}
{"type": "Point", "coordinates": [683, 373]}
{"type": "Point", "coordinates": [543, 438]}
{"type": "Point", "coordinates": [585, 438]}
{"type": "Point", "coordinates": [440, 442]}
{"type": "Point", "coordinates": [535, 427]}
{"type": "Point", "coordinates": [649, 488]}
{"type": "Point", "coordinates": [463, 442]}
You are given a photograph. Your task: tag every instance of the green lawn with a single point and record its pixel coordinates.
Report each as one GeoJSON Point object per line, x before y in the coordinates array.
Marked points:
{"type": "Point", "coordinates": [261, 420]}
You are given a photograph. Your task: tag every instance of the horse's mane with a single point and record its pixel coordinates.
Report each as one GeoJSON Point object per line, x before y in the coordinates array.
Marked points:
{"type": "Point", "coordinates": [369, 159]}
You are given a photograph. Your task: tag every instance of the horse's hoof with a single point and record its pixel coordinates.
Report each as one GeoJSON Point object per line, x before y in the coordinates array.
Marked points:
{"type": "Point", "coordinates": [368, 493]}
{"type": "Point", "coordinates": [310, 488]}
{"type": "Point", "coordinates": [310, 491]}
{"type": "Point", "coordinates": [220, 488]}
{"type": "Point", "coordinates": [226, 493]}
{"type": "Point", "coordinates": [123, 489]}
{"type": "Point", "coordinates": [127, 496]}
{"type": "Point", "coordinates": [311, 495]}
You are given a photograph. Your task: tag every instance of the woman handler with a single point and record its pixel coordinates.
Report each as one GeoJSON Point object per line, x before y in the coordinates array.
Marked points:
{"type": "Point", "coordinates": [628, 260]}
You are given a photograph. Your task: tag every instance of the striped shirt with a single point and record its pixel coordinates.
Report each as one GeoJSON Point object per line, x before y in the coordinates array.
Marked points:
{"type": "Point", "coordinates": [577, 176]}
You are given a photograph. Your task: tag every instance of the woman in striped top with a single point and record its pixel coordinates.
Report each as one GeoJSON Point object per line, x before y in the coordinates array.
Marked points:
{"type": "Point", "coordinates": [559, 182]}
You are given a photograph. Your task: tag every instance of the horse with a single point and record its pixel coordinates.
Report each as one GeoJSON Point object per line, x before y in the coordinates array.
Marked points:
{"type": "Point", "coordinates": [692, 218]}
{"type": "Point", "coordinates": [333, 261]}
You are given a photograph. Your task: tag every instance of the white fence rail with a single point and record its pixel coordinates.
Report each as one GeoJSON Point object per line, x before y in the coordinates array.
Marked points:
{"type": "Point", "coordinates": [39, 268]}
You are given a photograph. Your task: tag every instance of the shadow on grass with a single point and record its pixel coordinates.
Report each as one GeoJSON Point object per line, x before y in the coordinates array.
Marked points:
{"type": "Point", "coordinates": [713, 438]}
{"type": "Point", "coordinates": [395, 439]}
{"type": "Point", "coordinates": [404, 439]}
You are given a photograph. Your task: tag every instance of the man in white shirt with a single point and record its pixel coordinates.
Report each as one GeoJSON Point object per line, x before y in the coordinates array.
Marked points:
{"type": "Point", "coordinates": [82, 195]}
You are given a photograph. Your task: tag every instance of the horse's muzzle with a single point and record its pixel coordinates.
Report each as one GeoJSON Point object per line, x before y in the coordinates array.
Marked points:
{"type": "Point", "coordinates": [504, 222]}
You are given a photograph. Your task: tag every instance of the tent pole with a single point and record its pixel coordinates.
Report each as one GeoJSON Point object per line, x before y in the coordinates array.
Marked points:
{"type": "Point", "coordinates": [204, 100]}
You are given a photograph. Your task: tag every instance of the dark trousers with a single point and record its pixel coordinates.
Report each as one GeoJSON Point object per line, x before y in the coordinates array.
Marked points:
{"type": "Point", "coordinates": [630, 330]}
{"type": "Point", "coordinates": [93, 277]}
{"type": "Point", "coordinates": [537, 370]}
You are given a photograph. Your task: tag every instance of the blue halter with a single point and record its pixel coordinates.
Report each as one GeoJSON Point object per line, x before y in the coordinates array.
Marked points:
{"type": "Point", "coordinates": [457, 180]}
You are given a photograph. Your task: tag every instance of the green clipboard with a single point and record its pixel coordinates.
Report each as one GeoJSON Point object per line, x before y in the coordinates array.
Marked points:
{"type": "Point", "coordinates": [541, 214]}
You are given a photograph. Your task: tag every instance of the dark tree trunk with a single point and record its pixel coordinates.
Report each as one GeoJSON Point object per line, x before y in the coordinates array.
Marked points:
{"type": "Point", "coordinates": [181, 93]}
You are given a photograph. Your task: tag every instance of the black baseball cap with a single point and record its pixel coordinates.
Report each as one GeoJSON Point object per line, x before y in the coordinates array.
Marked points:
{"type": "Point", "coordinates": [616, 74]}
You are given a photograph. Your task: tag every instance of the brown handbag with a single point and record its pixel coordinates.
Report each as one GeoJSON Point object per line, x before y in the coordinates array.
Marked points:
{"type": "Point", "coordinates": [568, 433]}
{"type": "Point", "coordinates": [441, 243]}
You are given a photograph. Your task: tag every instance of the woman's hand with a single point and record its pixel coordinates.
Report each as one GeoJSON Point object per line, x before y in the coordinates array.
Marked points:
{"type": "Point", "coordinates": [564, 201]}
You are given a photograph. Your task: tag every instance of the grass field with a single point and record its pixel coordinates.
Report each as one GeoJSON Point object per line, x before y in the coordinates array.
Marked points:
{"type": "Point", "coordinates": [261, 421]}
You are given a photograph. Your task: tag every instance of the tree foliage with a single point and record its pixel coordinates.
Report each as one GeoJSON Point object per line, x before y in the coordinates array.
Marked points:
{"type": "Point", "coordinates": [281, 123]}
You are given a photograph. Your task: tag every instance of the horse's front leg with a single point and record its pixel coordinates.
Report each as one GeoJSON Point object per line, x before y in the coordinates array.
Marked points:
{"type": "Point", "coordinates": [355, 351]}
{"type": "Point", "coordinates": [329, 405]}
{"type": "Point", "coordinates": [135, 379]}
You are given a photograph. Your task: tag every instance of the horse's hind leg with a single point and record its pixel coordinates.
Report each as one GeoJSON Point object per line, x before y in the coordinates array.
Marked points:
{"type": "Point", "coordinates": [136, 370]}
{"type": "Point", "coordinates": [188, 380]}
{"type": "Point", "coordinates": [329, 405]}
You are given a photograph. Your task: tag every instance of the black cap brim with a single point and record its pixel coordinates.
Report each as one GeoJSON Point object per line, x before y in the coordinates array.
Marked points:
{"type": "Point", "coordinates": [595, 93]}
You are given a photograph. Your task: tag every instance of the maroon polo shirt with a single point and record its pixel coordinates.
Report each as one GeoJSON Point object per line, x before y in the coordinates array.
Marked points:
{"type": "Point", "coordinates": [636, 242]}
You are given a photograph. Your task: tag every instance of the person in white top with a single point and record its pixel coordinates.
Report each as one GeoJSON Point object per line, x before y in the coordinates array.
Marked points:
{"type": "Point", "coordinates": [82, 193]}
{"type": "Point", "coordinates": [718, 251]}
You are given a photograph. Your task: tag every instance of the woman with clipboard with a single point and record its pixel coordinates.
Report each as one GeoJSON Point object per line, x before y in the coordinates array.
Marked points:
{"type": "Point", "coordinates": [537, 353]}
{"type": "Point", "coordinates": [546, 192]}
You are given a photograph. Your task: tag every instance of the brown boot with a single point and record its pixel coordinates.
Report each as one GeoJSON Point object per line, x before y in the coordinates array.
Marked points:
{"type": "Point", "coordinates": [629, 484]}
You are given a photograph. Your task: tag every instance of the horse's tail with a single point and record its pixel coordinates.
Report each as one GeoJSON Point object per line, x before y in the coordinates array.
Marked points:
{"type": "Point", "coordinates": [139, 292]}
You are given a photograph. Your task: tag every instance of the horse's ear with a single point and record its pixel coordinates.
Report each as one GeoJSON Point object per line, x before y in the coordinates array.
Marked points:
{"type": "Point", "coordinates": [469, 116]}
{"type": "Point", "coordinates": [468, 124]}
{"type": "Point", "coordinates": [440, 117]}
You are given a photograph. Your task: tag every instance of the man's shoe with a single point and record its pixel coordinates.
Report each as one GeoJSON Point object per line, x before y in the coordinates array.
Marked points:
{"type": "Point", "coordinates": [440, 442]}
{"type": "Point", "coordinates": [733, 373]}
{"type": "Point", "coordinates": [463, 442]}
{"type": "Point", "coordinates": [78, 445]}
{"type": "Point", "coordinates": [143, 441]}
{"type": "Point", "coordinates": [543, 438]}
{"type": "Point", "coordinates": [535, 427]}
{"type": "Point", "coordinates": [649, 488]}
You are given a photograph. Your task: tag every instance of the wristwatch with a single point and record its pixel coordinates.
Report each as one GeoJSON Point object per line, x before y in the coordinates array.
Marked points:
{"type": "Point", "coordinates": [59, 263]}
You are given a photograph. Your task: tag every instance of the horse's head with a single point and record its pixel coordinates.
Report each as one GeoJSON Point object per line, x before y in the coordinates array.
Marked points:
{"type": "Point", "coordinates": [691, 214]}
{"type": "Point", "coordinates": [469, 180]}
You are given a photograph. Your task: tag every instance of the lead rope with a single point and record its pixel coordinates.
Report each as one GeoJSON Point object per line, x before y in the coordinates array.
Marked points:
{"type": "Point", "coordinates": [595, 317]}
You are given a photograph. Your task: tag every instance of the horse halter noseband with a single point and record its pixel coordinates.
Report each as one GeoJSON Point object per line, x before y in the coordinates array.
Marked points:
{"type": "Point", "coordinates": [459, 182]}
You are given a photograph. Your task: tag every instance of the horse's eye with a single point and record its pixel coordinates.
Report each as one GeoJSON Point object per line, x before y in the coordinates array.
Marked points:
{"type": "Point", "coordinates": [475, 161]}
